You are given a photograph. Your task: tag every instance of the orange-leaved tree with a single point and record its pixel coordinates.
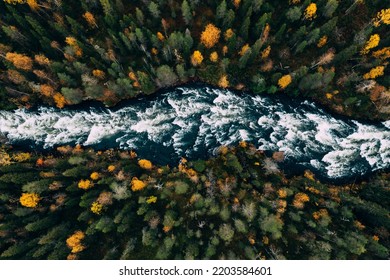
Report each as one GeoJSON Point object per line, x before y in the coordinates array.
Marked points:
{"type": "Point", "coordinates": [383, 16]}
{"type": "Point", "coordinates": [29, 200]}
{"type": "Point", "coordinates": [196, 58]}
{"type": "Point", "coordinates": [371, 43]}
{"type": "Point", "coordinates": [284, 81]}
{"type": "Point", "coordinates": [74, 241]}
{"type": "Point", "coordinates": [310, 12]}
{"type": "Point", "coordinates": [145, 164]}
{"type": "Point", "coordinates": [20, 61]}
{"type": "Point", "coordinates": [210, 36]}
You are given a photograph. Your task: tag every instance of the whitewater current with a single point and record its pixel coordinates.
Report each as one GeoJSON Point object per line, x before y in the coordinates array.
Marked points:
{"type": "Point", "coordinates": [193, 121]}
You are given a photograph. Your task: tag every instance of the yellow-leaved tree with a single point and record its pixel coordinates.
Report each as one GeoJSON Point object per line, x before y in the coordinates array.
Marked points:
{"type": "Point", "coordinates": [94, 176]}
{"type": "Point", "coordinates": [98, 74]}
{"type": "Point", "coordinates": [59, 100]}
{"type": "Point", "coordinates": [300, 199]}
{"type": "Point", "coordinates": [137, 185]}
{"type": "Point", "coordinates": [284, 81]}
{"type": "Point", "coordinates": [90, 19]}
{"type": "Point", "coordinates": [29, 200]}
{"type": "Point", "coordinates": [20, 61]}
{"type": "Point", "coordinates": [374, 73]}
{"type": "Point", "coordinates": [223, 81]}
{"type": "Point", "coordinates": [21, 157]}
{"type": "Point", "coordinates": [41, 59]}
{"type": "Point", "coordinates": [210, 36]}
{"type": "Point", "coordinates": [151, 199]}
{"type": "Point", "coordinates": [383, 16]}
{"type": "Point", "coordinates": [96, 208]}
{"type": "Point", "coordinates": [371, 43]}
{"type": "Point", "coordinates": [228, 34]}
{"type": "Point", "coordinates": [322, 41]}
{"type": "Point", "coordinates": [145, 164]}
{"type": "Point", "coordinates": [244, 49]}
{"type": "Point", "coordinates": [74, 241]}
{"type": "Point", "coordinates": [265, 53]}
{"type": "Point", "coordinates": [196, 58]}
{"type": "Point", "coordinates": [85, 184]}
{"type": "Point", "coordinates": [311, 11]}
{"type": "Point", "coordinates": [214, 56]}
{"type": "Point", "coordinates": [14, 2]}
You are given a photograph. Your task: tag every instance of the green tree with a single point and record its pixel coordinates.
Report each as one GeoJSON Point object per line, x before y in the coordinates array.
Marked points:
{"type": "Point", "coordinates": [221, 11]}
{"type": "Point", "coordinates": [154, 10]}
{"type": "Point", "coordinates": [258, 84]}
{"type": "Point", "coordinates": [229, 19]}
{"type": "Point", "coordinates": [139, 15]}
{"type": "Point", "coordinates": [273, 225]}
{"type": "Point", "coordinates": [72, 95]}
{"type": "Point", "coordinates": [226, 233]}
{"type": "Point", "coordinates": [242, 62]}
{"type": "Point", "coordinates": [166, 76]}
{"type": "Point", "coordinates": [294, 13]}
{"type": "Point", "coordinates": [244, 30]}
{"type": "Point", "coordinates": [186, 11]}
{"type": "Point", "coordinates": [256, 5]}
{"type": "Point", "coordinates": [330, 8]}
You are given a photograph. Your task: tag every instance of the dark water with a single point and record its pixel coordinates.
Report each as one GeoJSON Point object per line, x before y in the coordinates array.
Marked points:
{"type": "Point", "coordinates": [194, 121]}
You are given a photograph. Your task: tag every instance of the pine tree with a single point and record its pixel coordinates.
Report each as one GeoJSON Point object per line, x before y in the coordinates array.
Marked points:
{"type": "Point", "coordinates": [186, 11]}
{"type": "Point", "coordinates": [221, 11]}
{"type": "Point", "coordinates": [154, 10]}
{"type": "Point", "coordinates": [330, 7]}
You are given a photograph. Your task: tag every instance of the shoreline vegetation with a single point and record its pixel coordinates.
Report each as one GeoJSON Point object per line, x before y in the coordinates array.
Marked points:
{"type": "Point", "coordinates": [334, 53]}
{"type": "Point", "coordinates": [83, 204]}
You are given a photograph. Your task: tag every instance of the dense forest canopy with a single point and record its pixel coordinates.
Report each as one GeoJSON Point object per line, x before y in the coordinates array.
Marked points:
{"type": "Point", "coordinates": [64, 52]}
{"type": "Point", "coordinates": [79, 203]}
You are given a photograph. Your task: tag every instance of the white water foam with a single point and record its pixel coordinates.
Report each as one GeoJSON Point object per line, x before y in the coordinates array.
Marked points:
{"type": "Point", "coordinates": [192, 122]}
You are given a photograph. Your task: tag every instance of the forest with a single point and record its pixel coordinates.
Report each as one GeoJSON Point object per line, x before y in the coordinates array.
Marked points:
{"type": "Point", "coordinates": [81, 204]}
{"type": "Point", "coordinates": [74, 202]}
{"type": "Point", "coordinates": [64, 52]}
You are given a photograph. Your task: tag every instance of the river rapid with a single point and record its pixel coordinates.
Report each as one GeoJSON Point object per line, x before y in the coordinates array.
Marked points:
{"type": "Point", "coordinates": [193, 121]}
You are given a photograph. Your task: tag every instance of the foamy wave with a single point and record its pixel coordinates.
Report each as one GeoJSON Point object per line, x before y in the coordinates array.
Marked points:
{"type": "Point", "coordinates": [192, 122]}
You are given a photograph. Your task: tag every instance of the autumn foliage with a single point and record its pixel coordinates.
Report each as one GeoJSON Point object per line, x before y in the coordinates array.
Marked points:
{"type": "Point", "coordinates": [74, 241]}
{"type": "Point", "coordinates": [151, 199]}
{"type": "Point", "coordinates": [210, 36]}
{"type": "Point", "coordinates": [223, 81]}
{"type": "Point", "coordinates": [90, 19]}
{"type": "Point", "coordinates": [111, 168]}
{"type": "Point", "coordinates": [214, 57]}
{"type": "Point", "coordinates": [300, 199]}
{"type": "Point", "coordinates": [322, 42]}
{"type": "Point", "coordinates": [145, 164]}
{"type": "Point", "coordinates": [29, 200]}
{"type": "Point", "coordinates": [96, 208]}
{"type": "Point", "coordinates": [196, 58]}
{"type": "Point", "coordinates": [137, 185]}
{"type": "Point", "coordinates": [85, 184]}
{"type": "Point", "coordinates": [374, 73]}
{"type": "Point", "coordinates": [383, 16]}
{"type": "Point", "coordinates": [59, 100]}
{"type": "Point", "coordinates": [371, 43]}
{"type": "Point", "coordinates": [20, 61]}
{"type": "Point", "coordinates": [310, 12]}
{"type": "Point", "coordinates": [244, 49]}
{"type": "Point", "coordinates": [284, 81]}
{"type": "Point", "coordinates": [95, 176]}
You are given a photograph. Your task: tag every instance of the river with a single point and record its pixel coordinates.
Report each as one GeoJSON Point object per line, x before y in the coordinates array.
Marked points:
{"type": "Point", "coordinates": [193, 121]}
